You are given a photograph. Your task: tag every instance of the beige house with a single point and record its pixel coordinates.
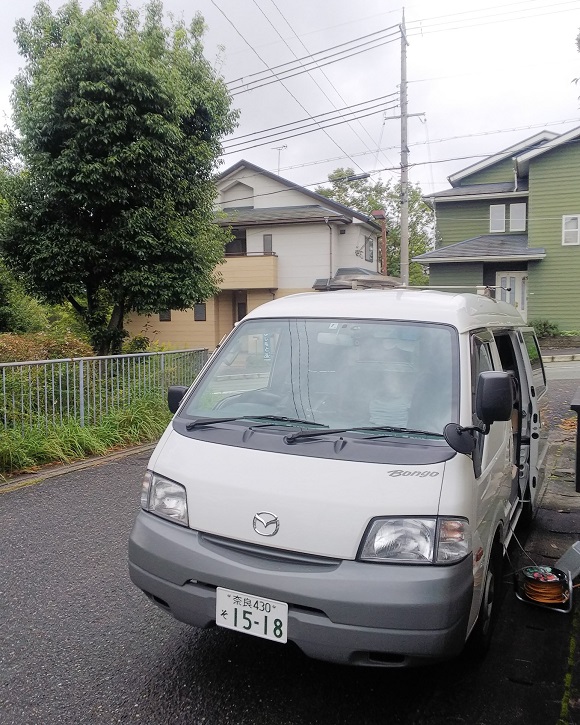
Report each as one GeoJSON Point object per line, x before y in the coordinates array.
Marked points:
{"type": "Point", "coordinates": [285, 239]}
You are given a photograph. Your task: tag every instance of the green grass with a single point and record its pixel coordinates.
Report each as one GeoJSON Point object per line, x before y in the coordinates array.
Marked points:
{"type": "Point", "coordinates": [143, 421]}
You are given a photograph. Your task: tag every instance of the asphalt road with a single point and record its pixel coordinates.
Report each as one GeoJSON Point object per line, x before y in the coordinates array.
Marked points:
{"type": "Point", "coordinates": [80, 644]}
{"type": "Point", "coordinates": [563, 382]}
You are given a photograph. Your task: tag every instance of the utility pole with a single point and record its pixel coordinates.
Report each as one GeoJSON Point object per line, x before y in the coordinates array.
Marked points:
{"type": "Point", "coordinates": [404, 161]}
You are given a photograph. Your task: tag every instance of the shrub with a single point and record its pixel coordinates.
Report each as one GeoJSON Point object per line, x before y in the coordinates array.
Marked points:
{"type": "Point", "coordinates": [139, 343]}
{"type": "Point", "coordinates": [545, 328]}
{"type": "Point", "coordinates": [41, 346]}
{"type": "Point", "coordinates": [18, 311]}
{"type": "Point", "coordinates": [143, 421]}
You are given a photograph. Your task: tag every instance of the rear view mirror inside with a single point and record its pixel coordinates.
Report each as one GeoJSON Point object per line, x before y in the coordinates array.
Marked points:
{"type": "Point", "coordinates": [333, 338]}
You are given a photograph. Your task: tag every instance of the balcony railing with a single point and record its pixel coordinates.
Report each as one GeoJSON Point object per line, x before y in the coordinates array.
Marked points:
{"type": "Point", "coordinates": [249, 271]}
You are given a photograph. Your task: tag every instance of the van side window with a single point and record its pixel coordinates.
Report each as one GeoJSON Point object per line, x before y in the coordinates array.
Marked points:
{"type": "Point", "coordinates": [481, 361]}
{"type": "Point", "coordinates": [538, 374]}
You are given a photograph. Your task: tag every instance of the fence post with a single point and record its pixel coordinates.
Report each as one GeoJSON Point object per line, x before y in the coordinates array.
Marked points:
{"type": "Point", "coordinates": [81, 393]}
{"type": "Point", "coordinates": [575, 406]}
{"type": "Point", "coordinates": [60, 392]}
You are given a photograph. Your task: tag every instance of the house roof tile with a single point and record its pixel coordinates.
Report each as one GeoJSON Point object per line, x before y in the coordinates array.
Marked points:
{"type": "Point", "coordinates": [497, 246]}
{"type": "Point", "coordinates": [339, 209]}
{"type": "Point", "coordinates": [502, 187]}
{"type": "Point", "coordinates": [281, 215]}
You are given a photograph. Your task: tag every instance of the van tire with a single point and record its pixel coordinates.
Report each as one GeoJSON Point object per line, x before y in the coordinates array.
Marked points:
{"type": "Point", "coordinates": [479, 640]}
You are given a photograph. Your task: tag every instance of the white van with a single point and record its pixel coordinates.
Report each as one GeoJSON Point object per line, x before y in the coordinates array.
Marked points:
{"type": "Point", "coordinates": [345, 474]}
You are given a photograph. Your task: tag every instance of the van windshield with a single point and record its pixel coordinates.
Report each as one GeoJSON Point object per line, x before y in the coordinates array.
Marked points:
{"type": "Point", "coordinates": [337, 373]}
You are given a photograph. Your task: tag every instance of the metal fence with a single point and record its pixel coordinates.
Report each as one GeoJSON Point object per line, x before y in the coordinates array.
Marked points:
{"type": "Point", "coordinates": [48, 392]}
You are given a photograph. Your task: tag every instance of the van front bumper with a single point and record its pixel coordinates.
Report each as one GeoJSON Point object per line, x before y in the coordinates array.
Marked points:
{"type": "Point", "coordinates": [348, 612]}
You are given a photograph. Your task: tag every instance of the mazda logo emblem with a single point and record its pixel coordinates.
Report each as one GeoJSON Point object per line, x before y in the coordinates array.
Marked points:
{"type": "Point", "coordinates": [266, 523]}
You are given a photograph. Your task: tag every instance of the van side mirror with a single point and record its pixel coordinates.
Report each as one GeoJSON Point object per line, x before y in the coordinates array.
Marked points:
{"type": "Point", "coordinates": [493, 401]}
{"type": "Point", "coordinates": [175, 396]}
{"type": "Point", "coordinates": [494, 397]}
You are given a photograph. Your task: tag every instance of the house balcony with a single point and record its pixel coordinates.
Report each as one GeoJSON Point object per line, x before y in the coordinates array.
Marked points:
{"type": "Point", "coordinates": [249, 271]}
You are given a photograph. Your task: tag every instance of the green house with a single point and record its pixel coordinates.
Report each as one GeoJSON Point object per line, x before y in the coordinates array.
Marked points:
{"type": "Point", "coordinates": [511, 223]}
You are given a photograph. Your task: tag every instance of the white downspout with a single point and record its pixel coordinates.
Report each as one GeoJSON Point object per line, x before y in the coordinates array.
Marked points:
{"type": "Point", "coordinates": [329, 247]}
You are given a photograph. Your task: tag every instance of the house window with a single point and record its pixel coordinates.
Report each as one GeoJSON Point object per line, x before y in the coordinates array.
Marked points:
{"type": "Point", "coordinates": [517, 217]}
{"type": "Point", "coordinates": [165, 316]}
{"type": "Point", "coordinates": [267, 243]}
{"type": "Point", "coordinates": [369, 249]}
{"type": "Point", "coordinates": [571, 229]}
{"type": "Point", "coordinates": [237, 245]}
{"type": "Point", "coordinates": [199, 312]}
{"type": "Point", "coordinates": [497, 218]}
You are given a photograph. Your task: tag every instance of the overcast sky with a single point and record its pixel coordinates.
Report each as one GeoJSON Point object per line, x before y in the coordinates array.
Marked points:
{"type": "Point", "coordinates": [485, 74]}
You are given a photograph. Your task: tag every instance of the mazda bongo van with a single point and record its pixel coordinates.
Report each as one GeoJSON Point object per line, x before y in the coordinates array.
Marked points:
{"type": "Point", "coordinates": [345, 473]}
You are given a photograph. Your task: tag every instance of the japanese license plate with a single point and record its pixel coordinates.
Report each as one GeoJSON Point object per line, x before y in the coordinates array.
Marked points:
{"type": "Point", "coordinates": [260, 617]}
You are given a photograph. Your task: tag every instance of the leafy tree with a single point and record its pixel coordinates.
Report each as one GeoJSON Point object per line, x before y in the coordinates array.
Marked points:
{"type": "Point", "coordinates": [366, 196]}
{"type": "Point", "coordinates": [120, 119]}
{"type": "Point", "coordinates": [18, 311]}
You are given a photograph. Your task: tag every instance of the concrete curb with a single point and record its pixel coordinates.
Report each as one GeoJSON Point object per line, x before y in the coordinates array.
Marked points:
{"type": "Point", "coordinates": [570, 357]}
{"type": "Point", "coordinates": [30, 479]}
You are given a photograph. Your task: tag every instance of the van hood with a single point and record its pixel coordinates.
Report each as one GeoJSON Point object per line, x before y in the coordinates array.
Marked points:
{"type": "Point", "coordinates": [323, 506]}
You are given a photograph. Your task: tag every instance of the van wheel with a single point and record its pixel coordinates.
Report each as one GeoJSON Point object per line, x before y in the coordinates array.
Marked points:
{"type": "Point", "coordinates": [480, 637]}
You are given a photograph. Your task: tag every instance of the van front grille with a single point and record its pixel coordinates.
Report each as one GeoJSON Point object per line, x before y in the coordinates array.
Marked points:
{"type": "Point", "coordinates": [268, 553]}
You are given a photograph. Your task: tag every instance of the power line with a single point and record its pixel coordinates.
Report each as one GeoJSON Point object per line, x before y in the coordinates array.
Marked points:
{"type": "Point", "coordinates": [435, 24]}
{"type": "Point", "coordinates": [415, 25]}
{"type": "Point", "coordinates": [432, 141]}
{"type": "Point", "coordinates": [316, 65]}
{"type": "Point", "coordinates": [504, 130]}
{"type": "Point", "coordinates": [296, 63]}
{"type": "Point", "coordinates": [394, 168]}
{"type": "Point", "coordinates": [504, 7]}
{"type": "Point", "coordinates": [285, 87]}
{"type": "Point", "coordinates": [478, 22]}
{"type": "Point", "coordinates": [329, 81]}
{"type": "Point", "coordinates": [380, 99]}
{"type": "Point", "coordinates": [320, 127]}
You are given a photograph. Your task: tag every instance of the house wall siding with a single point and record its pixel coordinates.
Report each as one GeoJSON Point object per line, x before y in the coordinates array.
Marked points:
{"type": "Point", "coordinates": [453, 275]}
{"type": "Point", "coordinates": [502, 171]}
{"type": "Point", "coordinates": [266, 192]}
{"type": "Point", "coordinates": [555, 191]}
{"type": "Point", "coordinates": [237, 195]}
{"type": "Point", "coordinates": [461, 220]}
{"type": "Point", "coordinates": [303, 251]}
{"type": "Point", "coordinates": [182, 331]}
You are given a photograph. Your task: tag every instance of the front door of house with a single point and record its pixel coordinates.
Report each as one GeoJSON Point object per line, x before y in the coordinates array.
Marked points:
{"type": "Point", "coordinates": [512, 287]}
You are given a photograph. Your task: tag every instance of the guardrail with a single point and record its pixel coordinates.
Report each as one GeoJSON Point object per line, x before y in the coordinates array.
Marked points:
{"type": "Point", "coordinates": [44, 392]}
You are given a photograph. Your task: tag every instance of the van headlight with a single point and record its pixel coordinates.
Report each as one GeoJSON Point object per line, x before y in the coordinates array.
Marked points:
{"type": "Point", "coordinates": [164, 498]}
{"type": "Point", "coordinates": [417, 540]}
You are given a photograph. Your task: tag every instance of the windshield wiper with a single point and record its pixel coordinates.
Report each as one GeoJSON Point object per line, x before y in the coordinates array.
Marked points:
{"type": "Point", "coordinates": [200, 422]}
{"type": "Point", "coordinates": [284, 419]}
{"type": "Point", "coordinates": [292, 437]}
{"type": "Point", "coordinates": [398, 429]}
{"type": "Point", "coordinates": [386, 428]}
